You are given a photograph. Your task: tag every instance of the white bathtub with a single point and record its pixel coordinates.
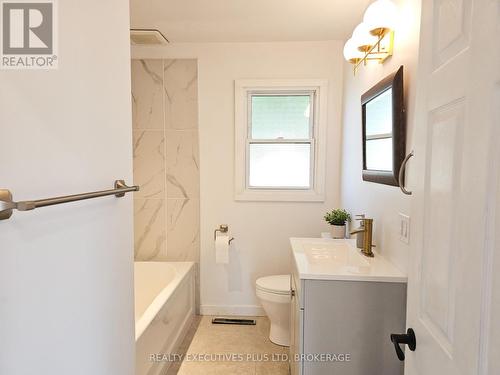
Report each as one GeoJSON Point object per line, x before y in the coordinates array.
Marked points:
{"type": "Point", "coordinates": [164, 309]}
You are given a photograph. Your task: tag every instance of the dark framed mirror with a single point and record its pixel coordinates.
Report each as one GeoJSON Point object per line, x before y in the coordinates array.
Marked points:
{"type": "Point", "coordinates": [384, 130]}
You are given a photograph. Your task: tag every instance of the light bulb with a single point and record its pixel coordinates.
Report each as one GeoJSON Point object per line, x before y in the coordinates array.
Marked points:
{"type": "Point", "coordinates": [362, 38]}
{"type": "Point", "coordinates": [380, 17]}
{"type": "Point", "coordinates": [351, 52]}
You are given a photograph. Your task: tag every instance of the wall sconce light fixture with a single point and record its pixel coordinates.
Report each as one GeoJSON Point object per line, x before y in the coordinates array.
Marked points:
{"type": "Point", "coordinates": [372, 39]}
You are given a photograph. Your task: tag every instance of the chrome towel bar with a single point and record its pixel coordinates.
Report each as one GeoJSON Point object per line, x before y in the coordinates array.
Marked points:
{"type": "Point", "coordinates": [7, 205]}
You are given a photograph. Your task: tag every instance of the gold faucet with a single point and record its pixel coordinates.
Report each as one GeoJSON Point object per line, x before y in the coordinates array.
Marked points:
{"type": "Point", "coordinates": [367, 230]}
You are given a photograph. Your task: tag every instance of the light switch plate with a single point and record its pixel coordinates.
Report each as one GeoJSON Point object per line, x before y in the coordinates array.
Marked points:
{"type": "Point", "coordinates": [404, 228]}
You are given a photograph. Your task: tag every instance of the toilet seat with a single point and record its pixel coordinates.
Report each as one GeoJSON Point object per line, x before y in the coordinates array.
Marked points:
{"type": "Point", "coordinates": [276, 284]}
{"type": "Point", "coordinates": [273, 297]}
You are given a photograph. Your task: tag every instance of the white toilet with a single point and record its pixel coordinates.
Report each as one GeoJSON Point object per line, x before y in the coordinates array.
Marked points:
{"type": "Point", "coordinates": [274, 294]}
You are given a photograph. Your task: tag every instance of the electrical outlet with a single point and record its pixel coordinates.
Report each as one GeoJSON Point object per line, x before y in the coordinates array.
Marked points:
{"type": "Point", "coordinates": [404, 228]}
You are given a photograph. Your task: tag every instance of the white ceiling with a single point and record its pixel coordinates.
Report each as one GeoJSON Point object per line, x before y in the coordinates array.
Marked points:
{"type": "Point", "coordinates": [249, 20]}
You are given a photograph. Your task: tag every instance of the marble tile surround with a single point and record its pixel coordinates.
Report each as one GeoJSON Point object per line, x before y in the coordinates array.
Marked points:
{"type": "Point", "coordinates": [182, 164]}
{"type": "Point", "coordinates": [166, 159]}
{"type": "Point", "coordinates": [147, 94]}
{"type": "Point", "coordinates": [149, 232]}
{"type": "Point", "coordinates": [149, 163]}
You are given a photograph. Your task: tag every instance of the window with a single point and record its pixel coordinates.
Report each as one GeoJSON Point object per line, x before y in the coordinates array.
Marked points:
{"type": "Point", "coordinates": [280, 140]}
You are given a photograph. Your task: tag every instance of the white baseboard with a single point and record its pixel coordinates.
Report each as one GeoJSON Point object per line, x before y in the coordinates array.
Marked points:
{"type": "Point", "coordinates": [232, 310]}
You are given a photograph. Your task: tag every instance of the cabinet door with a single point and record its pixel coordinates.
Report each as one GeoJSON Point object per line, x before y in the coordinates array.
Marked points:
{"type": "Point", "coordinates": [353, 320]}
{"type": "Point", "coordinates": [296, 332]}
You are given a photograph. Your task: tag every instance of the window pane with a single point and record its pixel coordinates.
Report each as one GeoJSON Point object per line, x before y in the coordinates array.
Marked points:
{"type": "Point", "coordinates": [379, 114]}
{"type": "Point", "coordinates": [379, 154]}
{"type": "Point", "coordinates": [280, 165]}
{"type": "Point", "coordinates": [276, 116]}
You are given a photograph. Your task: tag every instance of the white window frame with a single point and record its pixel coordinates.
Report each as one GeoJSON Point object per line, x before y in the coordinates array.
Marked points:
{"type": "Point", "coordinates": [318, 90]}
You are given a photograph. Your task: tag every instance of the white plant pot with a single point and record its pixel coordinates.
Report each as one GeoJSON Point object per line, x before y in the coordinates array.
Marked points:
{"type": "Point", "coordinates": [338, 231]}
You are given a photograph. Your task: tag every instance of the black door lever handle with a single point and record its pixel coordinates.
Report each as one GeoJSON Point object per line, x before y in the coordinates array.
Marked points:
{"type": "Point", "coordinates": [406, 339]}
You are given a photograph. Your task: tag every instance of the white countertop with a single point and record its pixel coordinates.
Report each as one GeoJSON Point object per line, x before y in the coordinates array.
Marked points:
{"type": "Point", "coordinates": [329, 259]}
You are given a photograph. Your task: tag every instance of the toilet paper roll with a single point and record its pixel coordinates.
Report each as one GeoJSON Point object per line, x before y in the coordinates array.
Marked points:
{"type": "Point", "coordinates": [222, 249]}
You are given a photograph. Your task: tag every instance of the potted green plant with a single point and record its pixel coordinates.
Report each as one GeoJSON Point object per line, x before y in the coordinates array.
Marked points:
{"type": "Point", "coordinates": [337, 219]}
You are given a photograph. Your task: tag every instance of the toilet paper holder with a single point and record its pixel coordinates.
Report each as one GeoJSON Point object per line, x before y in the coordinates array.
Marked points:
{"type": "Point", "coordinates": [223, 228]}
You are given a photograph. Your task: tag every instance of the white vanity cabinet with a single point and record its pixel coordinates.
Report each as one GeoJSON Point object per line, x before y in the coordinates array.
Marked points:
{"type": "Point", "coordinates": [296, 329]}
{"type": "Point", "coordinates": [343, 310]}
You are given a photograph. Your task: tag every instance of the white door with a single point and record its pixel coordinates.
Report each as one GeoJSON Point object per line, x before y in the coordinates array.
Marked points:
{"type": "Point", "coordinates": [451, 175]}
{"type": "Point", "coordinates": [66, 282]}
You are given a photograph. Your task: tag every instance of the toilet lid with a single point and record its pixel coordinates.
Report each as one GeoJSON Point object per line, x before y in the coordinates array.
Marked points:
{"type": "Point", "coordinates": [278, 284]}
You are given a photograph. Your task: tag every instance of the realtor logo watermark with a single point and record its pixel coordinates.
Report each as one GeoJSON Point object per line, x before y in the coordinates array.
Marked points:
{"type": "Point", "coordinates": [29, 34]}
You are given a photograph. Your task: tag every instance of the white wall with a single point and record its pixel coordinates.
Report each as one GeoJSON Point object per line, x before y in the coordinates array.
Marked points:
{"type": "Point", "coordinates": [380, 202]}
{"type": "Point", "coordinates": [261, 229]}
{"type": "Point", "coordinates": [66, 291]}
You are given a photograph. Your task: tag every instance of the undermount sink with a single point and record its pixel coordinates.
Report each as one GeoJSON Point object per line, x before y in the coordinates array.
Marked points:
{"type": "Point", "coordinates": [331, 259]}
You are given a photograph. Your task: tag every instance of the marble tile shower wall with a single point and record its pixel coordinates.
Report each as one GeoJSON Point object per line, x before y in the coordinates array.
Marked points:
{"type": "Point", "coordinates": [166, 159]}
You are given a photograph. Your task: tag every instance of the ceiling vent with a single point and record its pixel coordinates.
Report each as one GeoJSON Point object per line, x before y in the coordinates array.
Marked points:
{"type": "Point", "coordinates": [148, 37]}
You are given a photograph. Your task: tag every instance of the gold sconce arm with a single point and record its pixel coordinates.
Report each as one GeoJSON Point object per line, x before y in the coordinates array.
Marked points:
{"type": "Point", "coordinates": [380, 51]}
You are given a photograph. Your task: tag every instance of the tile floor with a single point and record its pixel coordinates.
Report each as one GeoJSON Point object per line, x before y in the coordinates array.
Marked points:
{"type": "Point", "coordinates": [229, 350]}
